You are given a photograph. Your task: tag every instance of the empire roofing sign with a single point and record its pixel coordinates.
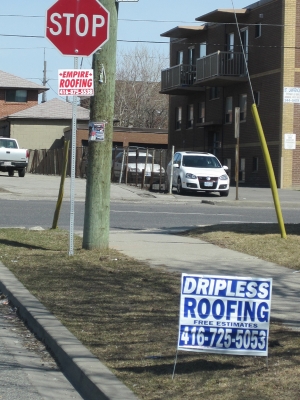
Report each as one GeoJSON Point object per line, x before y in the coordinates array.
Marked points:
{"type": "Point", "coordinates": [75, 82]}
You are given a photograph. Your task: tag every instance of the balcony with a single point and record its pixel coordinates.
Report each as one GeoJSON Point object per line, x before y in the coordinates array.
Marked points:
{"type": "Point", "coordinates": [221, 69]}
{"type": "Point", "coordinates": [179, 79]}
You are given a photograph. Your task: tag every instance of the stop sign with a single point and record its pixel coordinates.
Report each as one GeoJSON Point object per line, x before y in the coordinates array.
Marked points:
{"type": "Point", "coordinates": [77, 27]}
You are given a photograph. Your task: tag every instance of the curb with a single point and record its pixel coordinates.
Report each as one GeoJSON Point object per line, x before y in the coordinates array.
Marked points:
{"type": "Point", "coordinates": [92, 379]}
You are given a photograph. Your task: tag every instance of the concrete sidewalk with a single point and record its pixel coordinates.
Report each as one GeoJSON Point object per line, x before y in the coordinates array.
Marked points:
{"type": "Point", "coordinates": [185, 254]}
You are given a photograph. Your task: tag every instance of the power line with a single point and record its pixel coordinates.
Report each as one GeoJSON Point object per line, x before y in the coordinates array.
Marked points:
{"type": "Point", "coordinates": [21, 15]}
{"type": "Point", "coordinates": [160, 21]}
{"type": "Point", "coordinates": [23, 36]}
{"type": "Point", "coordinates": [55, 92]}
{"type": "Point", "coordinates": [153, 42]}
{"type": "Point", "coordinates": [141, 41]}
{"type": "Point", "coordinates": [156, 20]}
{"type": "Point", "coordinates": [27, 48]}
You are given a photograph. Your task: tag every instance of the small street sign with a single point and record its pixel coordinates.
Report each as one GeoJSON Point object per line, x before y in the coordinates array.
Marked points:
{"type": "Point", "coordinates": [289, 141]}
{"type": "Point", "coordinates": [291, 95]}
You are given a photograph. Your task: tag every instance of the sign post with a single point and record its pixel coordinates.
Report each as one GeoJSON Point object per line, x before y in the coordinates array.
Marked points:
{"type": "Point", "coordinates": [76, 28]}
{"type": "Point", "coordinates": [73, 165]}
{"type": "Point", "coordinates": [237, 149]}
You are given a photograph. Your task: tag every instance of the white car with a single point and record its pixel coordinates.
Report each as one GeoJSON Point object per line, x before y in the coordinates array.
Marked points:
{"type": "Point", "coordinates": [136, 164]}
{"type": "Point", "coordinates": [195, 171]}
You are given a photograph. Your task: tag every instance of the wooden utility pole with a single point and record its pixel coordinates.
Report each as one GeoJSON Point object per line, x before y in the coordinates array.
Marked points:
{"type": "Point", "coordinates": [97, 202]}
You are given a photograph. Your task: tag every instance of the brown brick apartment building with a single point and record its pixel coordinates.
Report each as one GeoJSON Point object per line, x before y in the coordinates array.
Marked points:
{"type": "Point", "coordinates": [207, 80]}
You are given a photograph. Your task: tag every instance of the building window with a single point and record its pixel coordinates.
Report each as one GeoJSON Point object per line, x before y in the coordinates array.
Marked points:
{"type": "Point", "coordinates": [257, 98]}
{"type": "Point", "coordinates": [178, 118]}
{"type": "Point", "coordinates": [243, 107]}
{"type": "Point", "coordinates": [179, 57]}
{"type": "Point", "coordinates": [190, 116]}
{"type": "Point", "coordinates": [245, 44]}
{"type": "Point", "coordinates": [255, 164]}
{"type": "Point", "coordinates": [201, 112]}
{"type": "Point", "coordinates": [230, 45]}
{"type": "Point", "coordinates": [214, 93]}
{"type": "Point", "coordinates": [202, 50]}
{"type": "Point", "coordinates": [228, 110]}
{"type": "Point", "coordinates": [192, 58]}
{"type": "Point", "coordinates": [258, 30]}
{"type": "Point", "coordinates": [16, 96]}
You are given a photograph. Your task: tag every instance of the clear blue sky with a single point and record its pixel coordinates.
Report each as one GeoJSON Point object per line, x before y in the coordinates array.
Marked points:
{"type": "Point", "coordinates": [24, 57]}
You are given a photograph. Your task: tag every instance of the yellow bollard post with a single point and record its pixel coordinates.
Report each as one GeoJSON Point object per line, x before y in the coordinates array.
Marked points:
{"type": "Point", "coordinates": [270, 170]}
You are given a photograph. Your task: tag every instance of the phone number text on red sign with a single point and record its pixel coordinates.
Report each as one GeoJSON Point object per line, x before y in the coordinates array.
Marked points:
{"type": "Point", "coordinates": [76, 92]}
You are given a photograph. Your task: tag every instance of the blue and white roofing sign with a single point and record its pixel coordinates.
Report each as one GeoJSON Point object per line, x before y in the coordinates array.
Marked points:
{"type": "Point", "coordinates": [224, 314]}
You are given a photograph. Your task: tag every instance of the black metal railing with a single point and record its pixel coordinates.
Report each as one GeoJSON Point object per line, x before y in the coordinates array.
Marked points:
{"type": "Point", "coordinates": [220, 64]}
{"type": "Point", "coordinates": [178, 76]}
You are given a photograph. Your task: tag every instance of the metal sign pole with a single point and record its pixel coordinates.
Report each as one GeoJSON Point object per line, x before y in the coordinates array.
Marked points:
{"type": "Point", "coordinates": [237, 150]}
{"type": "Point", "coordinates": [73, 164]}
{"type": "Point", "coordinates": [171, 175]}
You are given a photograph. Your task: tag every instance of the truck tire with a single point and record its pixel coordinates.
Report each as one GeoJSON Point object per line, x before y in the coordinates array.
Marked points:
{"type": "Point", "coordinates": [21, 172]}
{"type": "Point", "coordinates": [11, 172]}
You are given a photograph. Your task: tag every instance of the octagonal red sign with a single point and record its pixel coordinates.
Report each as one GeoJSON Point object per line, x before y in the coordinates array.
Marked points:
{"type": "Point", "coordinates": [77, 27]}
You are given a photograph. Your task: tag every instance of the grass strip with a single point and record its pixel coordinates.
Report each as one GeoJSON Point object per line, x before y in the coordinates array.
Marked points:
{"type": "Point", "coordinates": [259, 240]}
{"type": "Point", "coordinates": [126, 313]}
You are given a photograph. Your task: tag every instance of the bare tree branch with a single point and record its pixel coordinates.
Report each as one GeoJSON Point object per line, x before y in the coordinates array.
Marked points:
{"type": "Point", "coordinates": [137, 101]}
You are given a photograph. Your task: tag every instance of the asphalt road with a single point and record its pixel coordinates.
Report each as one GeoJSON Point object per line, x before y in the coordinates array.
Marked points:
{"type": "Point", "coordinates": [30, 201]}
{"type": "Point", "coordinates": [140, 216]}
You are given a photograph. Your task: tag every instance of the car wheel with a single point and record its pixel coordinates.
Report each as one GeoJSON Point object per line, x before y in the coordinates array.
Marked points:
{"type": "Point", "coordinates": [11, 172]}
{"type": "Point", "coordinates": [225, 193]}
{"type": "Point", "coordinates": [21, 172]}
{"type": "Point", "coordinates": [179, 187]}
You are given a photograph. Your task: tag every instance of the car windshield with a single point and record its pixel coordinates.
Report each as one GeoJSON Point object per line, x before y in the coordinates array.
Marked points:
{"type": "Point", "coordinates": [200, 162]}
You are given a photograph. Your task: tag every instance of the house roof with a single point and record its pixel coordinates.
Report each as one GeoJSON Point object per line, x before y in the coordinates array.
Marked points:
{"type": "Point", "coordinates": [52, 109]}
{"type": "Point", "coordinates": [223, 15]}
{"type": "Point", "coordinates": [9, 81]}
{"type": "Point", "coordinates": [183, 31]}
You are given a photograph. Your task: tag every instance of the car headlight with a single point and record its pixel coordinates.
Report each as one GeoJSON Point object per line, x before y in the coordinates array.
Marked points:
{"type": "Point", "coordinates": [190, 176]}
{"type": "Point", "coordinates": [223, 177]}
